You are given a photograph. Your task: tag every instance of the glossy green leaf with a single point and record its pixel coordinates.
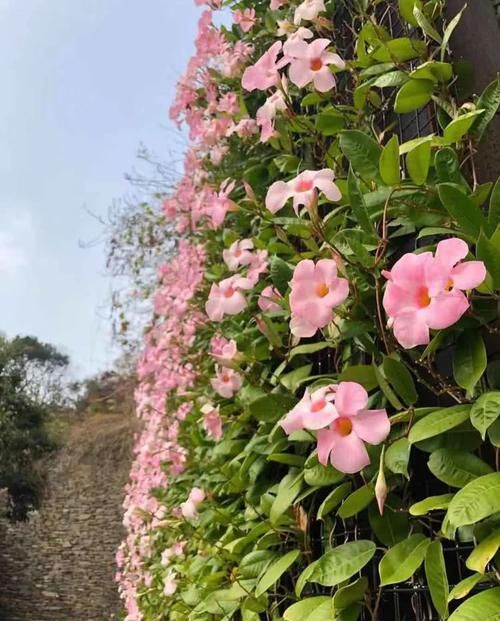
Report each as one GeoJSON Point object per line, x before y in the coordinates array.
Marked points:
{"type": "Point", "coordinates": [489, 101]}
{"type": "Point", "coordinates": [275, 571]}
{"type": "Point", "coordinates": [362, 151]}
{"type": "Point", "coordinates": [389, 162]}
{"type": "Point", "coordinates": [494, 434]}
{"type": "Point", "coordinates": [271, 407]}
{"type": "Point", "coordinates": [321, 476]}
{"type": "Point", "coordinates": [406, 8]}
{"type": "Point", "coordinates": [358, 204]}
{"type": "Point", "coordinates": [399, 50]}
{"type": "Point", "coordinates": [403, 560]}
{"type": "Point", "coordinates": [418, 162]}
{"type": "Point", "coordinates": [293, 379]}
{"type": "Point", "coordinates": [447, 166]}
{"type": "Point", "coordinates": [342, 562]}
{"type": "Point", "coordinates": [397, 456]}
{"type": "Point", "coordinates": [450, 28]}
{"type": "Point", "coordinates": [457, 468]}
{"type": "Point", "coordinates": [437, 580]}
{"type": "Point", "coordinates": [350, 594]}
{"type": "Point", "coordinates": [494, 207]}
{"type": "Point", "coordinates": [356, 502]}
{"type": "Point", "coordinates": [489, 252]}
{"type": "Point", "coordinates": [330, 122]}
{"type": "Point", "coordinates": [484, 552]}
{"type": "Point", "coordinates": [438, 422]}
{"type": "Point", "coordinates": [364, 374]}
{"type": "Point", "coordinates": [477, 500]}
{"type": "Point", "coordinates": [433, 503]}
{"type": "Point", "coordinates": [301, 611]}
{"type": "Point", "coordinates": [462, 209]}
{"type": "Point", "coordinates": [281, 274]}
{"type": "Point", "coordinates": [289, 488]}
{"type": "Point", "coordinates": [433, 70]}
{"type": "Point", "coordinates": [469, 360]}
{"type": "Point", "coordinates": [426, 26]}
{"type": "Point", "coordinates": [412, 95]}
{"type": "Point", "coordinates": [400, 379]}
{"type": "Point", "coordinates": [254, 563]}
{"type": "Point", "coordinates": [459, 127]}
{"type": "Point", "coordinates": [391, 527]}
{"type": "Point", "coordinates": [333, 499]}
{"type": "Point", "coordinates": [465, 586]}
{"type": "Point", "coordinates": [485, 411]}
{"type": "Point", "coordinates": [484, 606]}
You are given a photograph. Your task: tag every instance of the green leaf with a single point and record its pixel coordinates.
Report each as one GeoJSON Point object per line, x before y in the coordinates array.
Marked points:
{"type": "Point", "coordinates": [459, 127]}
{"type": "Point", "coordinates": [389, 162]}
{"type": "Point", "coordinates": [310, 348]}
{"type": "Point", "coordinates": [489, 252]}
{"type": "Point", "coordinates": [254, 563]}
{"type": "Point", "coordinates": [391, 527]}
{"type": "Point", "coordinates": [413, 95]}
{"type": "Point", "coordinates": [275, 571]}
{"type": "Point", "coordinates": [469, 360]}
{"type": "Point", "coordinates": [330, 123]}
{"type": "Point", "coordinates": [358, 204]}
{"type": "Point", "coordinates": [425, 25]}
{"type": "Point", "coordinates": [400, 379]}
{"type": "Point", "coordinates": [494, 210]}
{"type": "Point", "coordinates": [287, 458]}
{"type": "Point", "coordinates": [271, 407]}
{"type": "Point", "coordinates": [403, 560]}
{"type": "Point", "coordinates": [321, 476]}
{"type": "Point", "coordinates": [287, 163]}
{"type": "Point", "coordinates": [350, 594]}
{"type": "Point", "coordinates": [433, 503]}
{"type": "Point", "coordinates": [342, 562]}
{"type": "Point", "coordinates": [301, 611]}
{"type": "Point", "coordinates": [484, 606]}
{"type": "Point", "coordinates": [437, 580]}
{"type": "Point", "coordinates": [289, 488]}
{"type": "Point", "coordinates": [477, 500]}
{"type": "Point", "coordinates": [399, 50]}
{"type": "Point", "coordinates": [364, 374]}
{"type": "Point", "coordinates": [449, 31]}
{"type": "Point", "coordinates": [293, 379]}
{"type": "Point", "coordinates": [462, 209]}
{"type": "Point", "coordinates": [448, 166]}
{"type": "Point", "coordinates": [418, 162]}
{"type": "Point", "coordinates": [484, 552]}
{"type": "Point", "coordinates": [465, 586]}
{"type": "Point", "coordinates": [406, 8]}
{"type": "Point", "coordinates": [397, 456]}
{"type": "Point", "coordinates": [489, 101]}
{"type": "Point", "coordinates": [386, 389]}
{"type": "Point", "coordinates": [362, 151]}
{"type": "Point", "coordinates": [439, 421]}
{"type": "Point", "coordinates": [485, 412]}
{"type": "Point", "coordinates": [456, 468]}
{"type": "Point", "coordinates": [433, 70]}
{"type": "Point", "coordinates": [494, 434]}
{"type": "Point", "coordinates": [281, 274]}
{"type": "Point", "coordinates": [356, 502]}
{"type": "Point", "coordinates": [333, 499]}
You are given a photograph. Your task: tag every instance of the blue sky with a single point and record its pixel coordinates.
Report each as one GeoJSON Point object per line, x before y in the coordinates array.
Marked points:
{"type": "Point", "coordinates": [84, 82]}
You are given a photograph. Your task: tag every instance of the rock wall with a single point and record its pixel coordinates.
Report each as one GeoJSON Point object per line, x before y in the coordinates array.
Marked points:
{"type": "Point", "coordinates": [60, 565]}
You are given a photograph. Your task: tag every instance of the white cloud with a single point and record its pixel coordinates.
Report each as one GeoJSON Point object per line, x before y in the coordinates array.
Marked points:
{"type": "Point", "coordinates": [16, 240]}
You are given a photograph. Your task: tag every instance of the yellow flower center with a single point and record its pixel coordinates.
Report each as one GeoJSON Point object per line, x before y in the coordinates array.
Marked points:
{"type": "Point", "coordinates": [323, 290]}
{"type": "Point", "coordinates": [423, 298]}
{"type": "Point", "coordinates": [316, 64]}
{"type": "Point", "coordinates": [343, 426]}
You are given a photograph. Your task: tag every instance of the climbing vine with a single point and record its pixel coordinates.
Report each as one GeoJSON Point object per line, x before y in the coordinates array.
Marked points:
{"type": "Point", "coordinates": [320, 384]}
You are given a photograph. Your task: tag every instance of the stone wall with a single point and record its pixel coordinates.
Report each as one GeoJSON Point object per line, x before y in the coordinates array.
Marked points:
{"type": "Point", "coordinates": [59, 566]}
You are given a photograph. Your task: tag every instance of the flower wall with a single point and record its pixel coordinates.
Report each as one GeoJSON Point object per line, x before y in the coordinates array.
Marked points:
{"type": "Point", "coordinates": [320, 384]}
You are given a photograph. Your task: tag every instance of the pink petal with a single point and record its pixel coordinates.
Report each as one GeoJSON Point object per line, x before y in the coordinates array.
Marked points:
{"type": "Point", "coordinates": [303, 271]}
{"type": "Point", "coordinates": [397, 300]}
{"type": "Point", "coordinates": [235, 304]}
{"type": "Point", "coordinates": [317, 47]}
{"type": "Point", "coordinates": [302, 328]}
{"type": "Point", "coordinates": [445, 310]}
{"type": "Point", "coordinates": [372, 426]}
{"type": "Point", "coordinates": [349, 454]}
{"type": "Point", "coordinates": [300, 72]}
{"type": "Point", "coordinates": [293, 421]}
{"type": "Point", "coordinates": [326, 442]}
{"type": "Point", "coordinates": [333, 59]}
{"type": "Point", "coordinates": [324, 182]}
{"type": "Point", "coordinates": [323, 80]}
{"type": "Point", "coordinates": [339, 294]}
{"type": "Point", "coordinates": [350, 398]}
{"type": "Point", "coordinates": [326, 270]}
{"type": "Point", "coordinates": [277, 196]}
{"type": "Point", "coordinates": [409, 272]}
{"type": "Point", "coordinates": [468, 275]}
{"type": "Point", "coordinates": [411, 329]}
{"type": "Point", "coordinates": [450, 251]}
{"type": "Point", "coordinates": [321, 419]}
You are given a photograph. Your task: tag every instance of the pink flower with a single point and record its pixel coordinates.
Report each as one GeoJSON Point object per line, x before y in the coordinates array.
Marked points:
{"type": "Point", "coordinates": [189, 507]}
{"type": "Point", "coordinates": [265, 73]}
{"type": "Point", "coordinates": [276, 4]}
{"type": "Point", "coordinates": [220, 203]}
{"type": "Point", "coordinates": [227, 298]}
{"type": "Point", "coordinates": [227, 382]}
{"type": "Point", "coordinates": [222, 350]}
{"type": "Point", "coordinates": [314, 411]}
{"type": "Point", "coordinates": [303, 189]}
{"type": "Point", "coordinates": [310, 63]}
{"type": "Point", "coordinates": [308, 10]}
{"type": "Point", "coordinates": [170, 584]}
{"type": "Point", "coordinates": [343, 442]}
{"type": "Point", "coordinates": [299, 35]}
{"type": "Point", "coordinates": [212, 422]}
{"type": "Point", "coordinates": [245, 19]}
{"type": "Point", "coordinates": [267, 113]}
{"type": "Point", "coordinates": [316, 290]}
{"type": "Point", "coordinates": [426, 292]}
{"type": "Point", "coordinates": [257, 266]}
{"type": "Point", "coordinates": [177, 549]}
{"type": "Point", "coordinates": [268, 300]}
{"type": "Point", "coordinates": [238, 253]}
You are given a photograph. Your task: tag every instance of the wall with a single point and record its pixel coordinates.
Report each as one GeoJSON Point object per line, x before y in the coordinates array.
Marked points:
{"type": "Point", "coordinates": [60, 566]}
